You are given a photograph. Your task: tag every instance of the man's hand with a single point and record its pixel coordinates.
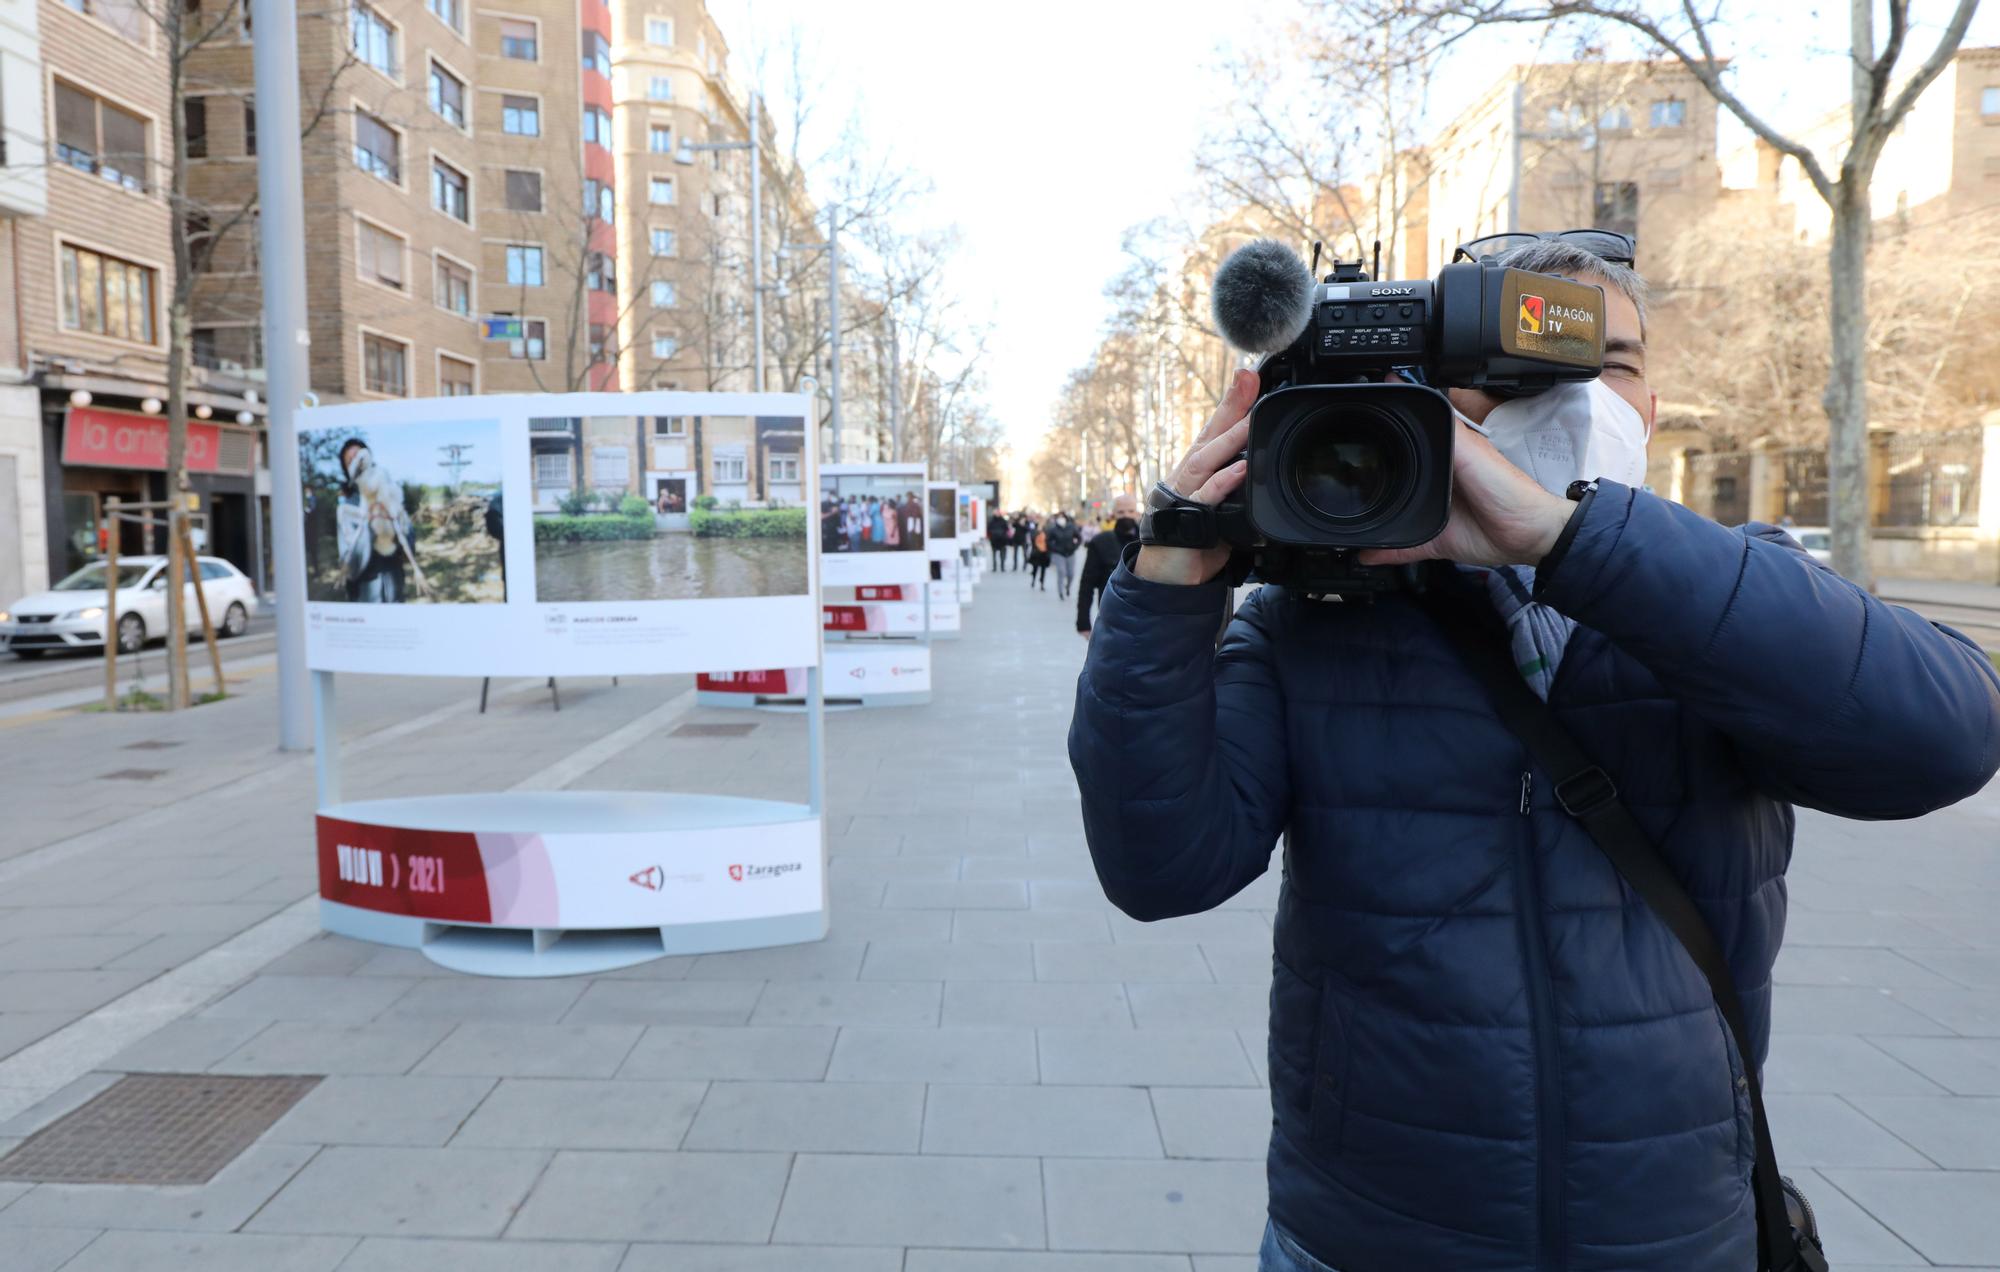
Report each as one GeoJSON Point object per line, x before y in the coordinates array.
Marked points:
{"type": "Point", "coordinates": [1206, 474]}
{"type": "Point", "coordinates": [1499, 514]}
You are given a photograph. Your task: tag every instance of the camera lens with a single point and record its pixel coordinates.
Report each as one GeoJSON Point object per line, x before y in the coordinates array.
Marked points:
{"type": "Point", "coordinates": [1344, 466]}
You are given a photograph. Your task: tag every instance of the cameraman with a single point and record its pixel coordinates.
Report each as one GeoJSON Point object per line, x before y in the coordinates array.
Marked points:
{"type": "Point", "coordinates": [1485, 1050]}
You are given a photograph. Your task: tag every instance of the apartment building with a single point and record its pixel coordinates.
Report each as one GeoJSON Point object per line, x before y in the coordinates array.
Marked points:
{"type": "Point", "coordinates": [86, 257]}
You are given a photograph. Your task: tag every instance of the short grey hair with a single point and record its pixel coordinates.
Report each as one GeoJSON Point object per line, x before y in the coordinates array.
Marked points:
{"type": "Point", "coordinates": [1559, 256]}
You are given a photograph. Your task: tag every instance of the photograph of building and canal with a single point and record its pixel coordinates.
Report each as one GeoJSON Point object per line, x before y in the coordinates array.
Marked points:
{"type": "Point", "coordinates": [668, 507]}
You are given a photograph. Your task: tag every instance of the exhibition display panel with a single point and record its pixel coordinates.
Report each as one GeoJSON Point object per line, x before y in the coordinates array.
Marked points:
{"type": "Point", "coordinates": [561, 535]}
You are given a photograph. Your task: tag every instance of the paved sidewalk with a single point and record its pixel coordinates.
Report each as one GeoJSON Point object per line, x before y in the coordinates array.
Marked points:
{"type": "Point", "coordinates": [984, 1069]}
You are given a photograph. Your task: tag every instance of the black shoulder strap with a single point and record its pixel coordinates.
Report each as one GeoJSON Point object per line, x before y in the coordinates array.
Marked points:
{"type": "Point", "coordinates": [1587, 793]}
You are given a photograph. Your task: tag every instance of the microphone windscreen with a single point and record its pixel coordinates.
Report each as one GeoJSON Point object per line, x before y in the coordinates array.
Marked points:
{"type": "Point", "coordinates": [1263, 297]}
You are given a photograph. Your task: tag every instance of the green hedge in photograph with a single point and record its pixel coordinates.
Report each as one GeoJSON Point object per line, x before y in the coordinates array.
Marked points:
{"type": "Point", "coordinates": [596, 528]}
{"type": "Point", "coordinates": [749, 523]}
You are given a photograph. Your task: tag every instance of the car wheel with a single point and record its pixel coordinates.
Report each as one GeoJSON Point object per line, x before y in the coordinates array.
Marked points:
{"type": "Point", "coordinates": [29, 653]}
{"type": "Point", "coordinates": [131, 633]}
{"type": "Point", "coordinates": [235, 620]}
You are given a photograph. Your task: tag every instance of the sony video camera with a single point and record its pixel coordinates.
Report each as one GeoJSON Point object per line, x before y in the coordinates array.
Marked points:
{"type": "Point", "coordinates": [1341, 455]}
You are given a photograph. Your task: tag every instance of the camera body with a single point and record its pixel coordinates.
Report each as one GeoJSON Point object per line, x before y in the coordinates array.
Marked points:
{"type": "Point", "coordinates": [1351, 435]}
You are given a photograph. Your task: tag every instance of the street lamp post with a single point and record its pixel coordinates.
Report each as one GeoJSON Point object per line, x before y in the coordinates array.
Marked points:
{"type": "Point", "coordinates": [685, 157]}
{"type": "Point", "coordinates": [832, 249]}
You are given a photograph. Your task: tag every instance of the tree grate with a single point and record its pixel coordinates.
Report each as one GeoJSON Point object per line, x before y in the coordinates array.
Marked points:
{"type": "Point", "coordinates": [712, 731]}
{"type": "Point", "coordinates": [131, 775]}
{"type": "Point", "coordinates": [160, 1129]}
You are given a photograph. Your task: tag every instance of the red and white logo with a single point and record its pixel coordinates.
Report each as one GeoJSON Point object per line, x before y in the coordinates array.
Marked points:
{"type": "Point", "coordinates": [736, 873]}
{"type": "Point", "coordinates": [652, 878]}
{"type": "Point", "coordinates": [1532, 308]}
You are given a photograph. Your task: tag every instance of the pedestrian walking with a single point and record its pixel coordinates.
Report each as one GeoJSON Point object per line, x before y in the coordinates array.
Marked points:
{"type": "Point", "coordinates": [1038, 559]}
{"type": "Point", "coordinates": [997, 532]}
{"type": "Point", "coordinates": [1101, 562]}
{"type": "Point", "coordinates": [1064, 537]}
{"type": "Point", "coordinates": [1017, 538]}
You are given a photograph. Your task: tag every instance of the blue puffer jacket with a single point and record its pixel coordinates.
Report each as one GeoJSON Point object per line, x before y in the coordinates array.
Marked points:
{"type": "Point", "coordinates": [1485, 1052]}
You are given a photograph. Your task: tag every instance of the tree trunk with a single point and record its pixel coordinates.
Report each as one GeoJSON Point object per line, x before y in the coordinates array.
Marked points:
{"type": "Point", "coordinates": [1846, 396]}
{"type": "Point", "coordinates": [179, 570]}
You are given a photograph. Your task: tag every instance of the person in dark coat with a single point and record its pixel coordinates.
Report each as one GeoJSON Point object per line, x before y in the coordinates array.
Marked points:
{"type": "Point", "coordinates": [1063, 537]}
{"type": "Point", "coordinates": [1038, 554]}
{"type": "Point", "coordinates": [1100, 558]}
{"type": "Point", "coordinates": [1018, 538]}
{"type": "Point", "coordinates": [1486, 1051]}
{"type": "Point", "coordinates": [997, 531]}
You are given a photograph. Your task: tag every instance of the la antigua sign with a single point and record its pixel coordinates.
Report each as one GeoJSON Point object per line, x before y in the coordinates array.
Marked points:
{"type": "Point", "coordinates": [94, 437]}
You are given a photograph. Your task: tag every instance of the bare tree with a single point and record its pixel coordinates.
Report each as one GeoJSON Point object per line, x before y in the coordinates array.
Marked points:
{"type": "Point", "coordinates": [1882, 89]}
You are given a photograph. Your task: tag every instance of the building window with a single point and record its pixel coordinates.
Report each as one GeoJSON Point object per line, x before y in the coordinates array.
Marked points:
{"type": "Point", "coordinates": [448, 95]}
{"type": "Point", "coordinates": [374, 38]}
{"type": "Point", "coordinates": [524, 265]}
{"type": "Point", "coordinates": [1989, 102]}
{"type": "Point", "coordinates": [95, 136]}
{"type": "Point", "coordinates": [783, 468]}
{"type": "Point", "coordinates": [385, 366]}
{"type": "Point", "coordinates": [451, 193]}
{"type": "Point", "coordinates": [596, 127]}
{"type": "Point", "coordinates": [127, 17]}
{"type": "Point", "coordinates": [447, 12]}
{"type": "Point", "coordinates": [665, 344]}
{"type": "Point", "coordinates": [533, 344]}
{"type": "Point", "coordinates": [663, 242]}
{"type": "Point", "coordinates": [456, 377]}
{"type": "Point", "coordinates": [1670, 112]}
{"type": "Point", "coordinates": [729, 469]}
{"type": "Point", "coordinates": [660, 88]}
{"type": "Point", "coordinates": [377, 149]}
{"type": "Point", "coordinates": [601, 273]}
{"type": "Point", "coordinates": [520, 116]}
{"type": "Point", "coordinates": [194, 126]}
{"type": "Point", "coordinates": [596, 53]}
{"type": "Point", "coordinates": [1615, 206]}
{"type": "Point", "coordinates": [107, 296]}
{"type": "Point", "coordinates": [600, 200]}
{"type": "Point", "coordinates": [249, 127]}
{"type": "Point", "coordinates": [660, 31]}
{"type": "Point", "coordinates": [453, 286]}
{"type": "Point", "coordinates": [524, 191]}
{"type": "Point", "coordinates": [660, 190]}
{"type": "Point", "coordinates": [664, 296]}
{"type": "Point", "coordinates": [379, 255]}
{"type": "Point", "coordinates": [235, 347]}
{"type": "Point", "coordinates": [552, 470]}
{"type": "Point", "coordinates": [518, 40]}
{"type": "Point", "coordinates": [1615, 119]}
{"type": "Point", "coordinates": [660, 139]}
{"type": "Point", "coordinates": [670, 426]}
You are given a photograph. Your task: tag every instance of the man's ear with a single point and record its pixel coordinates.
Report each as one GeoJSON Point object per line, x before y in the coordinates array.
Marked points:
{"type": "Point", "coordinates": [1652, 412]}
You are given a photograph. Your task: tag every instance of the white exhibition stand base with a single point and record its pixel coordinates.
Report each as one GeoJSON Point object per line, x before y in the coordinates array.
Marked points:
{"type": "Point", "coordinates": [604, 879]}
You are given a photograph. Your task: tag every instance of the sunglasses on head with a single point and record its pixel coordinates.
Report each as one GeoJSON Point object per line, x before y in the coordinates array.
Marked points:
{"type": "Point", "coordinates": [1606, 245]}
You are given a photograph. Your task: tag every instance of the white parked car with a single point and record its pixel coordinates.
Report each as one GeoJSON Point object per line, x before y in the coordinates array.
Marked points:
{"type": "Point", "coordinates": [70, 615]}
{"type": "Point", "coordinates": [1816, 540]}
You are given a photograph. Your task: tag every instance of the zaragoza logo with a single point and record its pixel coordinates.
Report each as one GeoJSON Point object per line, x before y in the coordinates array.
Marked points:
{"type": "Point", "coordinates": [1531, 314]}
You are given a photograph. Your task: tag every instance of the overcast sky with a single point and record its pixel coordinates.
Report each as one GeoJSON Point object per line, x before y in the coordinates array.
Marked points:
{"type": "Point", "coordinates": [1050, 126]}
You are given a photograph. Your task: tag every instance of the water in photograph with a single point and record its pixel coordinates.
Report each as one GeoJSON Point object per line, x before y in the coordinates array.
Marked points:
{"type": "Point", "coordinates": [669, 567]}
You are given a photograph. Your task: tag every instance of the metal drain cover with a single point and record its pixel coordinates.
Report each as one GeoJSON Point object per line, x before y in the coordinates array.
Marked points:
{"type": "Point", "coordinates": [155, 1128]}
{"type": "Point", "coordinates": [132, 775]}
{"type": "Point", "coordinates": [712, 731]}
{"type": "Point", "coordinates": [151, 744]}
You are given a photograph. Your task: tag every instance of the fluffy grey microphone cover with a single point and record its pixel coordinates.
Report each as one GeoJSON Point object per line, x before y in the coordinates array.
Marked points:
{"type": "Point", "coordinates": [1262, 298]}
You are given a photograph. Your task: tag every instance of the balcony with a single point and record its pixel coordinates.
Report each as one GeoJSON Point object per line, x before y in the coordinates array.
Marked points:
{"type": "Point", "coordinates": [563, 430]}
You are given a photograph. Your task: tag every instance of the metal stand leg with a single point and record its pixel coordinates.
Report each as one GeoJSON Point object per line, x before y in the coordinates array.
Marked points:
{"type": "Point", "coordinates": [816, 740]}
{"type": "Point", "coordinates": [326, 740]}
{"type": "Point", "coordinates": [484, 685]}
{"type": "Point", "coordinates": [555, 693]}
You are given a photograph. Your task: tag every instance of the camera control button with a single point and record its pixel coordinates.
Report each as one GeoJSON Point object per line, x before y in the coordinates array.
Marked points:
{"type": "Point", "coordinates": [1339, 315]}
{"type": "Point", "coordinates": [1377, 312]}
{"type": "Point", "coordinates": [1403, 311]}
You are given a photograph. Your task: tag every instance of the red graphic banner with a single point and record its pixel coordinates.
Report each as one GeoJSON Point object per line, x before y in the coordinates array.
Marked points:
{"type": "Point", "coordinates": [769, 682]}
{"type": "Point", "coordinates": [431, 874]}
{"type": "Point", "coordinates": [879, 592]}
{"type": "Point", "coordinates": [843, 618]}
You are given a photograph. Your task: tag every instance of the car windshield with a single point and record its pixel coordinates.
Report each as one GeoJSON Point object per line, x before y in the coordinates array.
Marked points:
{"type": "Point", "coordinates": [91, 577]}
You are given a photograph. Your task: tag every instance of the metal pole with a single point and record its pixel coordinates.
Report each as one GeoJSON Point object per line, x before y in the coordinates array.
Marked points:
{"type": "Point", "coordinates": [757, 236]}
{"type": "Point", "coordinates": [326, 739]}
{"type": "Point", "coordinates": [282, 238]}
{"type": "Point", "coordinates": [895, 391]}
{"type": "Point", "coordinates": [833, 308]}
{"type": "Point", "coordinates": [111, 605]}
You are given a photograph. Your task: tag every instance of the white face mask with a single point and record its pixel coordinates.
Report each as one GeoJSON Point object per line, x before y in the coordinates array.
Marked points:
{"type": "Point", "coordinates": [1581, 429]}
